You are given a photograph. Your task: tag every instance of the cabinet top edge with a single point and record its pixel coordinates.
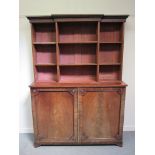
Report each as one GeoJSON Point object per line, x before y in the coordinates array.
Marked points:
{"type": "Point", "coordinates": [77, 85]}
{"type": "Point", "coordinates": [89, 16]}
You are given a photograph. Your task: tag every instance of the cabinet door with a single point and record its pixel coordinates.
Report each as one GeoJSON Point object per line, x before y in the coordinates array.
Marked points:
{"type": "Point", "coordinates": [99, 115]}
{"type": "Point", "coordinates": [54, 116]}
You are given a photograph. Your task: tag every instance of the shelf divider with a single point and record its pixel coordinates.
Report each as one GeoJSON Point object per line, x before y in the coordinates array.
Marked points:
{"type": "Point", "coordinates": [98, 49]}
{"type": "Point", "coordinates": [57, 51]}
{"type": "Point", "coordinates": [122, 49]}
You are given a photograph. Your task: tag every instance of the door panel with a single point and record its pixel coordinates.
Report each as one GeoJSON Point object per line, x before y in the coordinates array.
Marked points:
{"type": "Point", "coordinates": [55, 116]}
{"type": "Point", "coordinates": [99, 114]}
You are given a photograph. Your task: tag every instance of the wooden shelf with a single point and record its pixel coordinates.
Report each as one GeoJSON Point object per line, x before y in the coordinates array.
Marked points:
{"type": "Point", "coordinates": [78, 80]}
{"type": "Point", "coordinates": [88, 64]}
{"type": "Point", "coordinates": [44, 43]}
{"type": "Point", "coordinates": [79, 42]}
{"type": "Point", "coordinates": [119, 42]}
{"type": "Point", "coordinates": [110, 64]}
{"type": "Point", "coordinates": [48, 64]}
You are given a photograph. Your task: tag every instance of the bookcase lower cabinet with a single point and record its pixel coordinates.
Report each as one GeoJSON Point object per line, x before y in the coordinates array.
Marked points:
{"type": "Point", "coordinates": [64, 116]}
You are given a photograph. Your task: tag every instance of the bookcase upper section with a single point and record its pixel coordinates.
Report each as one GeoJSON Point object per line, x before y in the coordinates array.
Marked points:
{"type": "Point", "coordinates": [77, 48]}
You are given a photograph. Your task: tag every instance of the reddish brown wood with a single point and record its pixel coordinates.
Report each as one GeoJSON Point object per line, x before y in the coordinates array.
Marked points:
{"type": "Point", "coordinates": [99, 114]}
{"type": "Point", "coordinates": [120, 135]}
{"type": "Point", "coordinates": [78, 73]}
{"type": "Point", "coordinates": [44, 32]}
{"type": "Point", "coordinates": [35, 128]}
{"type": "Point", "coordinates": [44, 43]}
{"type": "Point", "coordinates": [109, 72]}
{"type": "Point", "coordinates": [98, 50]}
{"type": "Point", "coordinates": [77, 94]}
{"type": "Point", "coordinates": [79, 64]}
{"type": "Point", "coordinates": [110, 53]}
{"type": "Point", "coordinates": [57, 52]}
{"type": "Point", "coordinates": [54, 122]}
{"type": "Point", "coordinates": [105, 84]}
{"type": "Point", "coordinates": [77, 54]}
{"type": "Point", "coordinates": [77, 32]}
{"type": "Point", "coordinates": [78, 43]}
{"type": "Point", "coordinates": [45, 54]}
{"type": "Point", "coordinates": [46, 73]}
{"type": "Point", "coordinates": [45, 64]}
{"type": "Point", "coordinates": [122, 49]}
{"type": "Point", "coordinates": [33, 52]}
{"type": "Point", "coordinates": [110, 32]}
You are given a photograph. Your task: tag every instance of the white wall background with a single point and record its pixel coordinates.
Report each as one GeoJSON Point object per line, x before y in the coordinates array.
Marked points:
{"type": "Point", "coordinates": [48, 7]}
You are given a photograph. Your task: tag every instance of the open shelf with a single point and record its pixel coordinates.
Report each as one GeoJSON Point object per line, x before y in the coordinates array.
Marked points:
{"type": "Point", "coordinates": [46, 73]}
{"type": "Point", "coordinates": [114, 42]}
{"type": "Point", "coordinates": [45, 54]}
{"type": "Point", "coordinates": [77, 31]}
{"type": "Point", "coordinates": [44, 43]}
{"type": "Point", "coordinates": [109, 73]}
{"type": "Point", "coordinates": [79, 42]}
{"type": "Point", "coordinates": [83, 64]}
{"type": "Point", "coordinates": [111, 32]}
{"type": "Point", "coordinates": [77, 74]}
{"type": "Point", "coordinates": [77, 54]}
{"type": "Point", "coordinates": [110, 54]}
{"type": "Point", "coordinates": [46, 64]}
{"type": "Point", "coordinates": [44, 32]}
{"type": "Point", "coordinates": [110, 64]}
{"type": "Point", "coordinates": [84, 51]}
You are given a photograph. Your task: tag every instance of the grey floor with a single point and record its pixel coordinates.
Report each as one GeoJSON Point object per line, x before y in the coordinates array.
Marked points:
{"type": "Point", "coordinates": [26, 147]}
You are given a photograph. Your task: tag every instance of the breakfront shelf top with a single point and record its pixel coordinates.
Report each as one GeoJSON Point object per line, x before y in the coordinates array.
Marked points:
{"type": "Point", "coordinates": [80, 16]}
{"type": "Point", "coordinates": [78, 49]}
{"type": "Point", "coordinates": [86, 17]}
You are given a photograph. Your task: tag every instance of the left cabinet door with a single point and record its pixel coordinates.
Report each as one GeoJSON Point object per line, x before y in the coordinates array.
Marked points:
{"type": "Point", "coordinates": [54, 116]}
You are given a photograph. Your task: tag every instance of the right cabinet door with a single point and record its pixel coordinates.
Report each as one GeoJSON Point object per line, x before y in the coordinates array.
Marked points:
{"type": "Point", "coordinates": [99, 117]}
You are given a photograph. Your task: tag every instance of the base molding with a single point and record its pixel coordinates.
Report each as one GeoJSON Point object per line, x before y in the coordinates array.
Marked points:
{"type": "Point", "coordinates": [112, 142]}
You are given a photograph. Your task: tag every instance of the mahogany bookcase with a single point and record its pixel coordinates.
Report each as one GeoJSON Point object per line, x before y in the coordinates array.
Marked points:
{"type": "Point", "coordinates": [78, 95]}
